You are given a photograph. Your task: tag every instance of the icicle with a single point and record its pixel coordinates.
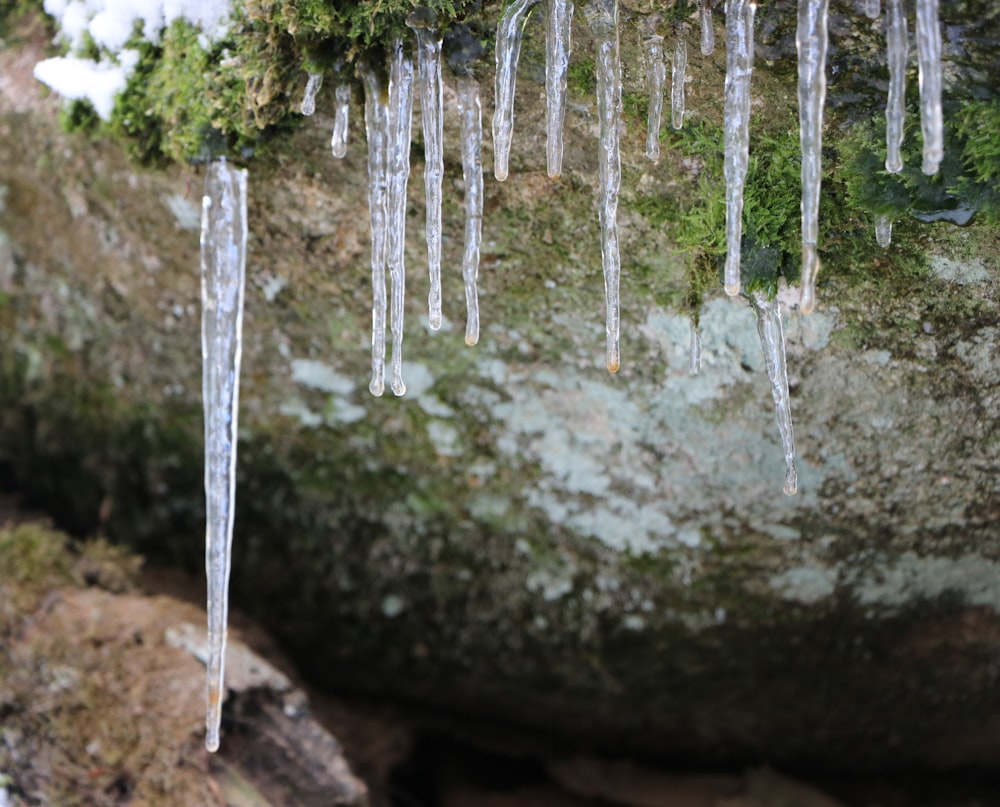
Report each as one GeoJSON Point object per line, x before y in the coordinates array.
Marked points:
{"type": "Point", "coordinates": [872, 9]}
{"type": "Point", "coordinates": [883, 231]}
{"type": "Point", "coordinates": [929, 73]}
{"type": "Point", "coordinates": [603, 18]}
{"type": "Point", "coordinates": [423, 22]}
{"type": "Point", "coordinates": [811, 41]}
{"type": "Point", "coordinates": [313, 85]}
{"type": "Point", "coordinates": [508, 52]}
{"type": "Point", "coordinates": [895, 107]}
{"type": "Point", "coordinates": [677, 73]}
{"type": "Point", "coordinates": [223, 271]}
{"type": "Point", "coordinates": [772, 341]}
{"type": "Point", "coordinates": [338, 142]}
{"type": "Point", "coordinates": [656, 79]}
{"type": "Point", "coordinates": [694, 368]}
{"type": "Point", "coordinates": [398, 163]}
{"type": "Point", "coordinates": [739, 68]}
{"type": "Point", "coordinates": [377, 133]}
{"type": "Point", "coordinates": [470, 111]}
{"type": "Point", "coordinates": [707, 29]}
{"type": "Point", "coordinates": [559, 24]}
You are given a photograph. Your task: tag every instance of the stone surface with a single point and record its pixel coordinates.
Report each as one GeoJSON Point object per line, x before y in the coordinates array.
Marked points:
{"type": "Point", "coordinates": [524, 537]}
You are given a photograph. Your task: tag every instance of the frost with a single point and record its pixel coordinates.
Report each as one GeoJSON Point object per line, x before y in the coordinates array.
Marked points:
{"type": "Point", "coordinates": [558, 33]}
{"type": "Point", "coordinates": [470, 111]}
{"type": "Point", "coordinates": [508, 51]}
{"type": "Point", "coordinates": [423, 22]}
{"type": "Point", "coordinates": [929, 73]}
{"type": "Point", "coordinates": [811, 41]}
{"type": "Point", "coordinates": [656, 78]}
{"type": "Point", "coordinates": [895, 107]}
{"type": "Point", "coordinates": [739, 68]}
{"type": "Point", "coordinates": [772, 342]}
{"type": "Point", "coordinates": [223, 273]}
{"type": "Point", "coordinates": [603, 18]}
{"type": "Point", "coordinates": [398, 163]}
{"type": "Point", "coordinates": [313, 85]}
{"type": "Point", "coordinates": [883, 231]}
{"type": "Point", "coordinates": [677, 74]}
{"type": "Point", "coordinates": [377, 134]}
{"type": "Point", "coordinates": [338, 140]}
{"type": "Point", "coordinates": [707, 29]}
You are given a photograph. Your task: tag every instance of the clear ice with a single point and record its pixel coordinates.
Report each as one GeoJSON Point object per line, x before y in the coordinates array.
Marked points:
{"type": "Point", "coordinates": [508, 52]}
{"type": "Point", "coordinates": [872, 9]}
{"type": "Point", "coordinates": [677, 73]}
{"type": "Point", "coordinates": [377, 134]}
{"type": "Point", "coordinates": [895, 107]}
{"type": "Point", "coordinates": [772, 342]}
{"type": "Point", "coordinates": [811, 41]}
{"type": "Point", "coordinates": [602, 15]}
{"type": "Point", "coordinates": [929, 74]}
{"type": "Point", "coordinates": [223, 273]}
{"type": "Point", "coordinates": [423, 21]}
{"type": "Point", "coordinates": [398, 164]}
{"type": "Point", "coordinates": [739, 68]}
{"type": "Point", "coordinates": [707, 29]}
{"type": "Point", "coordinates": [694, 367]}
{"type": "Point", "coordinates": [338, 141]}
{"type": "Point", "coordinates": [656, 79]}
{"type": "Point", "coordinates": [883, 231]}
{"type": "Point", "coordinates": [313, 85]}
{"type": "Point", "coordinates": [470, 111]}
{"type": "Point", "coordinates": [558, 39]}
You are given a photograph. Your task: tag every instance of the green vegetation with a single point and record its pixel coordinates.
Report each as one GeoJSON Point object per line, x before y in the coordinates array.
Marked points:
{"type": "Point", "coordinates": [966, 181]}
{"type": "Point", "coordinates": [184, 102]}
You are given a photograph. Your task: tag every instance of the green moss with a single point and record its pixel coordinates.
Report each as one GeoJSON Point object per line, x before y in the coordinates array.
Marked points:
{"type": "Point", "coordinates": [966, 179]}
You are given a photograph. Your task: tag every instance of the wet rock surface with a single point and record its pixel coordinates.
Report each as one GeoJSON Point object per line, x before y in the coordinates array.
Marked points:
{"type": "Point", "coordinates": [523, 537]}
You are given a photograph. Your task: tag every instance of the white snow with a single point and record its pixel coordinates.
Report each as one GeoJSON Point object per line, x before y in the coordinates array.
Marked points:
{"type": "Point", "coordinates": [111, 24]}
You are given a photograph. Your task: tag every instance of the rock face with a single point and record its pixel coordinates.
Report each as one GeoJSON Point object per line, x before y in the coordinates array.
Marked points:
{"type": "Point", "coordinates": [524, 537]}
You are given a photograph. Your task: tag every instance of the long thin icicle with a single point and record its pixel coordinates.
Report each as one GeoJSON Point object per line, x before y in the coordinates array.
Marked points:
{"type": "Point", "coordinates": [811, 41]}
{"type": "Point", "coordinates": [883, 231]}
{"type": "Point", "coordinates": [398, 161]}
{"type": "Point", "coordinates": [707, 29]}
{"type": "Point", "coordinates": [739, 68]}
{"type": "Point", "coordinates": [929, 74]}
{"type": "Point", "coordinates": [603, 18]}
{"type": "Point", "coordinates": [377, 133]}
{"type": "Point", "coordinates": [313, 86]}
{"type": "Point", "coordinates": [656, 79]}
{"type": "Point", "coordinates": [338, 141]}
{"type": "Point", "coordinates": [423, 21]}
{"type": "Point", "coordinates": [223, 273]}
{"type": "Point", "coordinates": [508, 52]}
{"type": "Point", "coordinates": [772, 341]}
{"type": "Point", "coordinates": [678, 71]}
{"type": "Point", "coordinates": [895, 107]}
{"type": "Point", "coordinates": [558, 44]}
{"type": "Point", "coordinates": [694, 367]}
{"type": "Point", "coordinates": [470, 111]}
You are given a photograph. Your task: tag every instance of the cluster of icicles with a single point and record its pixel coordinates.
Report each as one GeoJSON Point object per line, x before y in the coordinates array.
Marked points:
{"type": "Point", "coordinates": [387, 125]}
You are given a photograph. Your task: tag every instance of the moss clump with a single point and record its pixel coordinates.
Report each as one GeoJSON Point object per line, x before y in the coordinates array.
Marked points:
{"type": "Point", "coordinates": [965, 183]}
{"type": "Point", "coordinates": [33, 558]}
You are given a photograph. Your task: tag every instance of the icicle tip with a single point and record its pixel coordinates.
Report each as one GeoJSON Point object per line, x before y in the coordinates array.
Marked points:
{"type": "Point", "coordinates": [472, 339]}
{"type": "Point", "coordinates": [791, 482]}
{"type": "Point", "coordinates": [376, 388]}
{"type": "Point", "coordinates": [732, 289]}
